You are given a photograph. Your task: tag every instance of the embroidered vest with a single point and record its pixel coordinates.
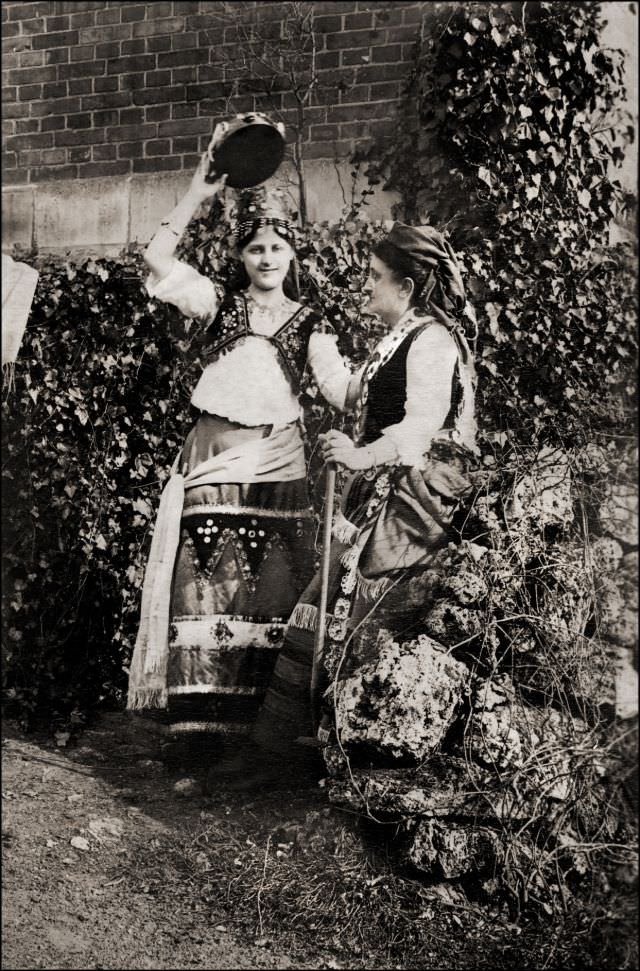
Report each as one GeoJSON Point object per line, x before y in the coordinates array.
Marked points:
{"type": "Point", "coordinates": [388, 392]}
{"type": "Point", "coordinates": [291, 340]}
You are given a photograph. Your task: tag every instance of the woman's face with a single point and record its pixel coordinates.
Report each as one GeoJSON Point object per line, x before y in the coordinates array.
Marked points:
{"type": "Point", "coordinates": [266, 258]}
{"type": "Point", "coordinates": [386, 297]}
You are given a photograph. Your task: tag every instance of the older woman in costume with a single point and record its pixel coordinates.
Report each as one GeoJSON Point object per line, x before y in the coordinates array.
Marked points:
{"type": "Point", "coordinates": [232, 550]}
{"type": "Point", "coordinates": [414, 445]}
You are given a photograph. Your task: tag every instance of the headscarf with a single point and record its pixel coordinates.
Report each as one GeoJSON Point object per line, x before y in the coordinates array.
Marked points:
{"type": "Point", "coordinates": [444, 288]}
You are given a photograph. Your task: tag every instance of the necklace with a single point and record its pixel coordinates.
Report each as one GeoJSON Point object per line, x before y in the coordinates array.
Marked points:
{"type": "Point", "coordinates": [269, 308]}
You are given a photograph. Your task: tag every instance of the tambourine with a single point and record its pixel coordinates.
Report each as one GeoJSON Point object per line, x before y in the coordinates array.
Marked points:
{"type": "Point", "coordinates": [249, 152]}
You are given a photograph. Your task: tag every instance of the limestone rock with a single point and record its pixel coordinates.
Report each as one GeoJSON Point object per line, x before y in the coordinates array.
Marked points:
{"type": "Point", "coordinates": [465, 587]}
{"type": "Point", "coordinates": [402, 704]}
{"type": "Point", "coordinates": [544, 494]}
{"type": "Point", "coordinates": [451, 850]}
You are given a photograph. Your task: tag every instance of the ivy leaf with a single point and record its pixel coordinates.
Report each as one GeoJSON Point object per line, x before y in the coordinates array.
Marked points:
{"type": "Point", "coordinates": [584, 198]}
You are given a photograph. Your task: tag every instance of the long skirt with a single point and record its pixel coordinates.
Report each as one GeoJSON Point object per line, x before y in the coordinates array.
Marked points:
{"type": "Point", "coordinates": [245, 556]}
{"type": "Point", "coordinates": [390, 528]}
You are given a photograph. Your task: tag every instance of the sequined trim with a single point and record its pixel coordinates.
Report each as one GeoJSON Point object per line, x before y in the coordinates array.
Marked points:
{"type": "Point", "coordinates": [218, 632]}
{"type": "Point", "coordinates": [221, 728]}
{"type": "Point", "coordinates": [212, 689]}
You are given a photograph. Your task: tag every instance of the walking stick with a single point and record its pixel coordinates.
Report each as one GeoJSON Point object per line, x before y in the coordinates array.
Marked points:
{"type": "Point", "coordinates": [318, 641]}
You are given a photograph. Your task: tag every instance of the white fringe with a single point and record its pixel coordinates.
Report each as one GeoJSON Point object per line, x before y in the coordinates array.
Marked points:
{"type": "Point", "coordinates": [147, 698]}
{"type": "Point", "coordinates": [371, 589]}
{"type": "Point", "coordinates": [304, 617]}
{"type": "Point", "coordinates": [349, 558]}
{"type": "Point", "coordinates": [344, 531]}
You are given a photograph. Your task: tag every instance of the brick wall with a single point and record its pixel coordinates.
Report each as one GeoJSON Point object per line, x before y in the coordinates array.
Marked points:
{"type": "Point", "coordinates": [100, 89]}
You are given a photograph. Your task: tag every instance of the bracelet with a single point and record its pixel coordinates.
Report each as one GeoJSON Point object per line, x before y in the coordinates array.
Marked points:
{"type": "Point", "coordinates": [165, 224]}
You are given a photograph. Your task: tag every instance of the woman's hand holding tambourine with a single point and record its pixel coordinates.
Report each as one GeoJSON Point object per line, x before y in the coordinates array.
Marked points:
{"type": "Point", "coordinates": [200, 188]}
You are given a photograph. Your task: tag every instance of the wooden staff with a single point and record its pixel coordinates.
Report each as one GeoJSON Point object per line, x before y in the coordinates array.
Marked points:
{"type": "Point", "coordinates": [321, 622]}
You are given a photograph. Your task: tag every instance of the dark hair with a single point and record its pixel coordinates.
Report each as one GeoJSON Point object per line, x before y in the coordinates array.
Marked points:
{"type": "Point", "coordinates": [290, 284]}
{"type": "Point", "coordinates": [402, 266]}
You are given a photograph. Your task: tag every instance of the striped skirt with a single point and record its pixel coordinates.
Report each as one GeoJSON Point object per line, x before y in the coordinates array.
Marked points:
{"type": "Point", "coordinates": [245, 556]}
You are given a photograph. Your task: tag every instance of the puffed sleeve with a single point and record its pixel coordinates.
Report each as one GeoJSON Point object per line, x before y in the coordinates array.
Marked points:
{"type": "Point", "coordinates": [189, 291]}
{"type": "Point", "coordinates": [430, 366]}
{"type": "Point", "coordinates": [330, 370]}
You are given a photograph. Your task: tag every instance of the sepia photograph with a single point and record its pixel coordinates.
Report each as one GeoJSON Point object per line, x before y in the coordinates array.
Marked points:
{"type": "Point", "coordinates": [319, 485]}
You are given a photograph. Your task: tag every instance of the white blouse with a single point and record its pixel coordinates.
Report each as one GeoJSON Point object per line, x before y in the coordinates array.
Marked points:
{"type": "Point", "coordinates": [430, 366]}
{"type": "Point", "coordinates": [248, 385]}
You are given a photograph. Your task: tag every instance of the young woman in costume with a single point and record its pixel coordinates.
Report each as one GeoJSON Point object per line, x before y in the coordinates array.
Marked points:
{"type": "Point", "coordinates": [413, 449]}
{"type": "Point", "coordinates": [232, 546]}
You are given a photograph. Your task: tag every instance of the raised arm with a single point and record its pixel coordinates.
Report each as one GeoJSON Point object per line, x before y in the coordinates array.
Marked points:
{"type": "Point", "coordinates": [335, 380]}
{"type": "Point", "coordinates": [159, 254]}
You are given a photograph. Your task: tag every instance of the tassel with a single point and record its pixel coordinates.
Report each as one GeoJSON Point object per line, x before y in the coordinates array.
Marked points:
{"type": "Point", "coordinates": [304, 617]}
{"type": "Point", "coordinates": [147, 698]}
{"type": "Point", "coordinates": [349, 558]}
{"type": "Point", "coordinates": [8, 377]}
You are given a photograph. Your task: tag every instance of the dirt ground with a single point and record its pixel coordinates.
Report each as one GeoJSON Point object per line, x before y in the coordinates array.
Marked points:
{"type": "Point", "coordinates": [83, 829]}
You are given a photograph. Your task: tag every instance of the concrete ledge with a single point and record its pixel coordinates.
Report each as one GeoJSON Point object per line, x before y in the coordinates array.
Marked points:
{"type": "Point", "coordinates": [101, 216]}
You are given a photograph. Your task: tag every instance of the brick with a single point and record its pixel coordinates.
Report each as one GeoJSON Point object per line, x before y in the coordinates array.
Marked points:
{"type": "Point", "coordinates": [81, 153]}
{"type": "Point", "coordinates": [10, 30]}
{"type": "Point", "coordinates": [53, 173]}
{"type": "Point", "coordinates": [100, 35]}
{"type": "Point", "coordinates": [188, 110]}
{"type": "Point", "coordinates": [187, 126]}
{"type": "Point", "coordinates": [131, 82]}
{"type": "Point", "coordinates": [157, 112]}
{"type": "Point", "coordinates": [52, 123]}
{"type": "Point", "coordinates": [386, 91]}
{"type": "Point", "coordinates": [151, 28]}
{"type": "Point", "coordinates": [110, 99]}
{"type": "Point", "coordinates": [327, 60]}
{"type": "Point", "coordinates": [105, 84]}
{"type": "Point", "coordinates": [109, 16]}
{"type": "Point", "coordinates": [32, 75]}
{"type": "Point", "coordinates": [132, 116]}
{"type": "Point", "coordinates": [59, 55]}
{"type": "Point", "coordinates": [85, 19]}
{"type": "Point", "coordinates": [70, 6]}
{"type": "Point", "coordinates": [171, 164]}
{"type": "Point", "coordinates": [57, 90]}
{"type": "Point", "coordinates": [180, 146]}
{"type": "Point", "coordinates": [54, 156]}
{"type": "Point", "coordinates": [184, 75]}
{"type": "Point", "coordinates": [327, 25]}
{"type": "Point", "coordinates": [136, 46]}
{"type": "Point", "coordinates": [382, 72]}
{"type": "Point", "coordinates": [110, 50]}
{"type": "Point", "coordinates": [62, 38]}
{"type": "Point", "coordinates": [388, 53]}
{"type": "Point", "coordinates": [9, 127]}
{"type": "Point", "coordinates": [184, 42]}
{"type": "Point", "coordinates": [349, 39]}
{"type": "Point", "coordinates": [130, 150]}
{"type": "Point", "coordinates": [30, 92]}
{"type": "Point", "coordinates": [11, 62]}
{"type": "Point", "coordinates": [354, 129]}
{"type": "Point", "coordinates": [22, 143]}
{"type": "Point", "coordinates": [25, 126]}
{"type": "Point", "coordinates": [81, 69]}
{"type": "Point", "coordinates": [9, 94]}
{"type": "Point", "coordinates": [358, 92]}
{"type": "Point", "coordinates": [27, 159]}
{"type": "Point", "coordinates": [199, 92]}
{"type": "Point", "coordinates": [15, 110]}
{"type": "Point", "coordinates": [212, 72]}
{"type": "Point", "coordinates": [58, 23]}
{"type": "Point", "coordinates": [324, 132]}
{"type": "Point", "coordinates": [161, 147]}
{"type": "Point", "coordinates": [35, 26]}
{"type": "Point", "coordinates": [405, 34]}
{"type": "Point", "coordinates": [136, 12]}
{"type": "Point", "coordinates": [362, 112]}
{"type": "Point", "coordinates": [332, 7]}
{"type": "Point", "coordinates": [182, 58]}
{"type": "Point", "coordinates": [111, 116]}
{"type": "Point", "coordinates": [17, 176]}
{"type": "Point", "coordinates": [103, 153]}
{"type": "Point", "coordinates": [80, 86]}
{"type": "Point", "coordinates": [127, 133]}
{"type": "Point", "coordinates": [355, 21]}
{"type": "Point", "coordinates": [123, 65]}
{"type": "Point", "coordinates": [90, 136]}
{"type": "Point", "coordinates": [62, 106]}
{"type": "Point", "coordinates": [97, 170]}
{"type": "Point", "coordinates": [154, 79]}
{"type": "Point", "coordinates": [412, 15]}
{"type": "Point", "coordinates": [77, 122]}
{"type": "Point", "coordinates": [83, 52]}
{"type": "Point", "coordinates": [156, 44]}
{"type": "Point", "coordinates": [9, 160]}
{"type": "Point", "coordinates": [28, 59]}
{"type": "Point", "coordinates": [22, 11]}
{"type": "Point", "coordinates": [163, 8]}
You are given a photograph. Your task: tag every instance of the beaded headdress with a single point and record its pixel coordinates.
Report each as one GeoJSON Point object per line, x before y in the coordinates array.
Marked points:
{"type": "Point", "coordinates": [262, 206]}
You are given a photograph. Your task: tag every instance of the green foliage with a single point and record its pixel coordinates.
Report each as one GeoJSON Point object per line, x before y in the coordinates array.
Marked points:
{"type": "Point", "coordinates": [511, 134]}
